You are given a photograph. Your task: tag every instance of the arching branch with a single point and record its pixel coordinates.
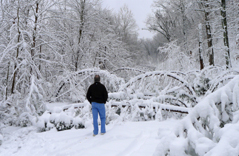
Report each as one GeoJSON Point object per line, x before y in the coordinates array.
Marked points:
{"type": "Point", "coordinates": [130, 69]}
{"type": "Point", "coordinates": [172, 75]}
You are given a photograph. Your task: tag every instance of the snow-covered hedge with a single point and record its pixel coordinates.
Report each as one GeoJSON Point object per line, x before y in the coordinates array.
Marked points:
{"type": "Point", "coordinates": [210, 129]}
{"type": "Point", "coordinates": [63, 119]}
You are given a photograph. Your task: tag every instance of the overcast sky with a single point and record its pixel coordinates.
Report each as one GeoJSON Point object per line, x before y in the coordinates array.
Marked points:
{"type": "Point", "coordinates": [140, 8]}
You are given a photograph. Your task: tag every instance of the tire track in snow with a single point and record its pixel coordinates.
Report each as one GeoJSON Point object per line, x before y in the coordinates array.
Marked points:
{"type": "Point", "coordinates": [86, 142]}
{"type": "Point", "coordinates": [136, 144]}
{"type": "Point", "coordinates": [86, 145]}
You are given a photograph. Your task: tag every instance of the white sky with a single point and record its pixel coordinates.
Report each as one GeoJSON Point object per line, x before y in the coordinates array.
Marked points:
{"type": "Point", "coordinates": [140, 8]}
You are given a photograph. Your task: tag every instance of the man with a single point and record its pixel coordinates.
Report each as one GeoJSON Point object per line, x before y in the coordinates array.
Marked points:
{"type": "Point", "coordinates": [97, 95]}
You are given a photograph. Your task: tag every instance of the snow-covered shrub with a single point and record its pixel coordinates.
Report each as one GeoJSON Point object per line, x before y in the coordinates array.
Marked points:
{"type": "Point", "coordinates": [23, 108]}
{"type": "Point", "coordinates": [62, 119]}
{"type": "Point", "coordinates": [220, 78]}
{"type": "Point", "coordinates": [201, 85]}
{"type": "Point", "coordinates": [78, 123]}
{"type": "Point", "coordinates": [44, 123]}
{"type": "Point", "coordinates": [26, 119]}
{"type": "Point", "coordinates": [210, 128]}
{"type": "Point", "coordinates": [9, 111]}
{"type": "Point", "coordinates": [34, 101]}
{"type": "Point", "coordinates": [112, 113]}
{"type": "Point", "coordinates": [24, 111]}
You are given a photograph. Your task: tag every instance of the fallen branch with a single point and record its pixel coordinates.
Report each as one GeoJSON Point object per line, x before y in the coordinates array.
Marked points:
{"type": "Point", "coordinates": [154, 105]}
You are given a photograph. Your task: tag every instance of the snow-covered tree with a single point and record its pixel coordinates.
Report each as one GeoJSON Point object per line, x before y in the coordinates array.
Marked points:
{"type": "Point", "coordinates": [23, 40]}
{"type": "Point", "coordinates": [179, 20]}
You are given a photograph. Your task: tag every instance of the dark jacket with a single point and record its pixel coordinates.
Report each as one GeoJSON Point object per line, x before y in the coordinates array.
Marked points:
{"type": "Point", "coordinates": [97, 93]}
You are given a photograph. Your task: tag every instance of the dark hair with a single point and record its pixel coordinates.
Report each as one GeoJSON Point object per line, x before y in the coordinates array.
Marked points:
{"type": "Point", "coordinates": [97, 78]}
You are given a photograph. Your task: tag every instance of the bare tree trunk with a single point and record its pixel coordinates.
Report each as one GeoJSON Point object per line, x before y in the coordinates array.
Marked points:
{"type": "Point", "coordinates": [80, 32]}
{"type": "Point", "coordinates": [209, 35]}
{"type": "Point", "coordinates": [225, 33]}
{"type": "Point", "coordinates": [7, 81]}
{"type": "Point", "coordinates": [95, 59]}
{"type": "Point", "coordinates": [200, 47]}
{"type": "Point", "coordinates": [39, 67]}
{"type": "Point", "coordinates": [18, 40]}
{"type": "Point", "coordinates": [34, 31]}
{"type": "Point", "coordinates": [33, 46]}
{"type": "Point", "coordinates": [3, 14]}
{"type": "Point", "coordinates": [184, 19]}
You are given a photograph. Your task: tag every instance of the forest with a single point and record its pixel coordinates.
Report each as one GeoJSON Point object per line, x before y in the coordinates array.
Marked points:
{"type": "Point", "coordinates": [50, 51]}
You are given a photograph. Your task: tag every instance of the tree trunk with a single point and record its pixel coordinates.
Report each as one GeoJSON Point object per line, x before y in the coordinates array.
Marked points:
{"type": "Point", "coordinates": [33, 46]}
{"type": "Point", "coordinates": [34, 31]}
{"type": "Point", "coordinates": [209, 35]}
{"type": "Point", "coordinates": [39, 67]}
{"type": "Point", "coordinates": [225, 33]}
{"type": "Point", "coordinates": [7, 81]}
{"type": "Point", "coordinates": [80, 32]}
{"type": "Point", "coordinates": [200, 47]}
{"type": "Point", "coordinates": [15, 64]}
{"type": "Point", "coordinates": [184, 19]}
{"type": "Point", "coordinates": [3, 14]}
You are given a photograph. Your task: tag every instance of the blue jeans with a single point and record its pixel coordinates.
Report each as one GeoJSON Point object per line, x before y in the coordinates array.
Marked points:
{"type": "Point", "coordinates": [98, 108]}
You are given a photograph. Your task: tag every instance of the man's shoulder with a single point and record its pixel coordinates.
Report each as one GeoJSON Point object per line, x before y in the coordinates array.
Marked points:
{"type": "Point", "coordinates": [102, 84]}
{"type": "Point", "coordinates": [92, 85]}
{"type": "Point", "coordinates": [97, 84]}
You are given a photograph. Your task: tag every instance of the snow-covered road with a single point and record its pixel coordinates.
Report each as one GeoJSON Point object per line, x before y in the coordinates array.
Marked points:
{"type": "Point", "coordinates": [121, 139]}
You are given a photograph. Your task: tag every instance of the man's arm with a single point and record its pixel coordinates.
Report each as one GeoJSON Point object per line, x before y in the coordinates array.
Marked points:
{"type": "Point", "coordinates": [105, 94]}
{"type": "Point", "coordinates": [88, 95]}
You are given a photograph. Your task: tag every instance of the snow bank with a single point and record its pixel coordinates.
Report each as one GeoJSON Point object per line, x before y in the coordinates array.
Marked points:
{"type": "Point", "coordinates": [210, 129]}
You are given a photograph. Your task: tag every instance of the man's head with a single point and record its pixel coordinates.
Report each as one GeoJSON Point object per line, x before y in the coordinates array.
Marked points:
{"type": "Point", "coordinates": [97, 78]}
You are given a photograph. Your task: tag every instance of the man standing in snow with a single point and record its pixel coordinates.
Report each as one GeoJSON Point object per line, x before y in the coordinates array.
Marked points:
{"type": "Point", "coordinates": [97, 95]}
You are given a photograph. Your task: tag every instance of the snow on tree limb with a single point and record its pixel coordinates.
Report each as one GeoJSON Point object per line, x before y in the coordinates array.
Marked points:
{"type": "Point", "coordinates": [221, 78]}
{"type": "Point", "coordinates": [154, 105]}
{"type": "Point", "coordinates": [158, 73]}
{"type": "Point", "coordinates": [112, 79]}
{"type": "Point", "coordinates": [130, 69]}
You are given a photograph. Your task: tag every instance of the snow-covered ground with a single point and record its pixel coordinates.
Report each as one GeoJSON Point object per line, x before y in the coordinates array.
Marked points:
{"type": "Point", "coordinates": [121, 139]}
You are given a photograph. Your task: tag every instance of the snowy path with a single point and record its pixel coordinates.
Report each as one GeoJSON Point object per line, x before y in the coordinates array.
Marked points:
{"type": "Point", "coordinates": [121, 139]}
